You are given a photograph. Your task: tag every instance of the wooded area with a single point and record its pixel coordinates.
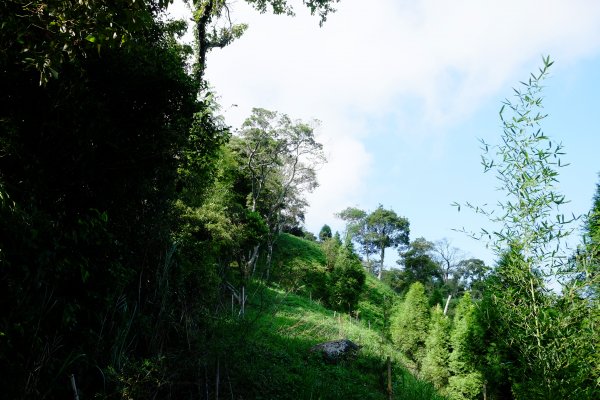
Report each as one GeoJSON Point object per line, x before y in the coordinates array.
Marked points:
{"type": "Point", "coordinates": [148, 250]}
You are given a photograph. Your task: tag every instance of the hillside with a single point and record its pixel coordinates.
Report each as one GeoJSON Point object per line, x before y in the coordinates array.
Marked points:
{"type": "Point", "coordinates": [272, 358]}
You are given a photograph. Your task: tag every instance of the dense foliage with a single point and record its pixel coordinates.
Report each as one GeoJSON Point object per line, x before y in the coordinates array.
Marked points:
{"type": "Point", "coordinates": [409, 323]}
{"type": "Point", "coordinates": [437, 349]}
{"type": "Point", "coordinates": [519, 338]}
{"type": "Point", "coordinates": [144, 253]}
{"type": "Point", "coordinates": [124, 217]}
{"type": "Point", "coordinates": [543, 341]}
{"type": "Point", "coordinates": [347, 279]}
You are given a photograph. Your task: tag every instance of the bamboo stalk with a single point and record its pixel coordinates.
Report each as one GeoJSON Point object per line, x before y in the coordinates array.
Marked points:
{"type": "Point", "coordinates": [74, 387]}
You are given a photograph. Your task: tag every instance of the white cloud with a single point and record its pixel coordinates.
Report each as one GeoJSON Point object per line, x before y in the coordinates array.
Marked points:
{"type": "Point", "coordinates": [371, 59]}
{"type": "Point", "coordinates": [449, 55]}
{"type": "Point", "coordinates": [341, 181]}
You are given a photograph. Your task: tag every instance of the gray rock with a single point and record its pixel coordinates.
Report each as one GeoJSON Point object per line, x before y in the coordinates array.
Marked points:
{"type": "Point", "coordinates": [336, 350]}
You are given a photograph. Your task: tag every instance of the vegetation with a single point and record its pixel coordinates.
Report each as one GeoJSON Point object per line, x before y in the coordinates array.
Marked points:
{"type": "Point", "coordinates": [148, 252]}
{"type": "Point", "coordinates": [437, 349]}
{"type": "Point", "coordinates": [466, 380]}
{"type": "Point", "coordinates": [543, 341]}
{"type": "Point", "coordinates": [410, 324]}
{"type": "Point", "coordinates": [376, 231]}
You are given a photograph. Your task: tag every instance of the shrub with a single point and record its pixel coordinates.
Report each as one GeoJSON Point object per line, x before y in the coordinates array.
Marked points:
{"type": "Point", "coordinates": [347, 280]}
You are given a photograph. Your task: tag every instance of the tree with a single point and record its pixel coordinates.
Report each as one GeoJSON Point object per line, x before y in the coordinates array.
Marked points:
{"type": "Point", "coordinates": [409, 323]}
{"type": "Point", "coordinates": [347, 279]}
{"type": "Point", "coordinates": [465, 382]}
{"type": "Point", "coordinates": [587, 261]}
{"type": "Point", "coordinates": [530, 229]}
{"type": "Point", "coordinates": [215, 29]}
{"type": "Point", "coordinates": [356, 231]}
{"type": "Point", "coordinates": [592, 222]}
{"type": "Point", "coordinates": [331, 249]}
{"type": "Point", "coordinates": [437, 349]}
{"type": "Point", "coordinates": [67, 32]}
{"type": "Point", "coordinates": [93, 159]}
{"type": "Point", "coordinates": [325, 233]}
{"type": "Point", "coordinates": [279, 157]}
{"type": "Point", "coordinates": [118, 225]}
{"type": "Point", "coordinates": [418, 264]}
{"type": "Point", "coordinates": [386, 229]}
{"type": "Point", "coordinates": [471, 274]}
{"type": "Point", "coordinates": [448, 258]}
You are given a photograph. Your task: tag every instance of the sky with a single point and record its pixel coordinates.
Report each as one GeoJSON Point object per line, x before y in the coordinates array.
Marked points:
{"type": "Point", "coordinates": [404, 90]}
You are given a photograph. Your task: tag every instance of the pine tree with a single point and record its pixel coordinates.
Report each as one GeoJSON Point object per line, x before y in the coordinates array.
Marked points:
{"type": "Point", "coordinates": [409, 323]}
{"type": "Point", "coordinates": [437, 349]}
{"type": "Point", "coordinates": [465, 382]}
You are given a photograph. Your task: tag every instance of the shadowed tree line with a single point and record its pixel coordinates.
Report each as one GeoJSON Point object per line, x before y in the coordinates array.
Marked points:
{"type": "Point", "coordinates": [130, 214]}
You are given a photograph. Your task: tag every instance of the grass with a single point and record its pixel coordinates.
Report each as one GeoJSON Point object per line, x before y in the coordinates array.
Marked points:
{"type": "Point", "coordinates": [376, 303]}
{"type": "Point", "coordinates": [274, 361]}
{"type": "Point", "coordinates": [266, 355]}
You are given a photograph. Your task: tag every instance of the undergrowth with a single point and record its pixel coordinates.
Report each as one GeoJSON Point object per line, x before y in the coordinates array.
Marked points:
{"type": "Point", "coordinates": [270, 357]}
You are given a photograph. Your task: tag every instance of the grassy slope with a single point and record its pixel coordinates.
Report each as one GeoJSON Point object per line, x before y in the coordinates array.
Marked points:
{"type": "Point", "coordinates": [273, 360]}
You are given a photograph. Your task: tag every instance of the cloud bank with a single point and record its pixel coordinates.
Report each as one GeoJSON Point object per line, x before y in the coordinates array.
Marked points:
{"type": "Point", "coordinates": [417, 66]}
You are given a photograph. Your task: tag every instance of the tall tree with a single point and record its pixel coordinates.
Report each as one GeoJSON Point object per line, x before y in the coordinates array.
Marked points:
{"type": "Point", "coordinates": [448, 258]}
{"type": "Point", "coordinates": [471, 274]}
{"type": "Point", "coordinates": [529, 229]}
{"type": "Point", "coordinates": [386, 229]}
{"type": "Point", "coordinates": [409, 323]}
{"type": "Point", "coordinates": [437, 349]}
{"type": "Point", "coordinates": [356, 231]}
{"type": "Point", "coordinates": [280, 157]}
{"type": "Point", "coordinates": [418, 264]}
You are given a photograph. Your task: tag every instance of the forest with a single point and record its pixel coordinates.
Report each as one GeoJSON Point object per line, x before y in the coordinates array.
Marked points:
{"type": "Point", "coordinates": [150, 251]}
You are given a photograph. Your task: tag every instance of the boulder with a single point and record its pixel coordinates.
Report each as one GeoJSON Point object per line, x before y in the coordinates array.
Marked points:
{"type": "Point", "coordinates": [336, 350]}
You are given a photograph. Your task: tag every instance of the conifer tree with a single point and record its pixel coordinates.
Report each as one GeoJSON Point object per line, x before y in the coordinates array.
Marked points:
{"type": "Point", "coordinates": [437, 349]}
{"type": "Point", "coordinates": [466, 382]}
{"type": "Point", "coordinates": [409, 323]}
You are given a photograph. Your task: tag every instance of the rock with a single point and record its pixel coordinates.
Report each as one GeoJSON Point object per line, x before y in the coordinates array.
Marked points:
{"type": "Point", "coordinates": [336, 350]}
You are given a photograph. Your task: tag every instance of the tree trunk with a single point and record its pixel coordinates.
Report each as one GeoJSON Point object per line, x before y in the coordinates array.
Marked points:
{"type": "Point", "coordinates": [201, 25]}
{"type": "Point", "coordinates": [269, 258]}
{"type": "Point", "coordinates": [447, 303]}
{"type": "Point", "coordinates": [380, 274]}
{"type": "Point", "coordinates": [251, 264]}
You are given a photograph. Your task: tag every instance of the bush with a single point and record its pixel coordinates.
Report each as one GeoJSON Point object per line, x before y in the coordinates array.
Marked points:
{"type": "Point", "coordinates": [347, 280]}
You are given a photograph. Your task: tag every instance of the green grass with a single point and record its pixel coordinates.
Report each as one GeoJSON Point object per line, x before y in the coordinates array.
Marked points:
{"type": "Point", "coordinates": [274, 361]}
{"type": "Point", "coordinates": [376, 303]}
{"type": "Point", "coordinates": [266, 354]}
{"type": "Point", "coordinates": [299, 265]}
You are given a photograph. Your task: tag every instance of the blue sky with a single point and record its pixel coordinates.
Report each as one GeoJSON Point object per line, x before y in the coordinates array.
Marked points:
{"type": "Point", "coordinates": [404, 89]}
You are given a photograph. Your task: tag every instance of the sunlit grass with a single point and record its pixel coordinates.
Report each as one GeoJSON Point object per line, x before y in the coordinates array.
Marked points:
{"type": "Point", "coordinates": [277, 362]}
